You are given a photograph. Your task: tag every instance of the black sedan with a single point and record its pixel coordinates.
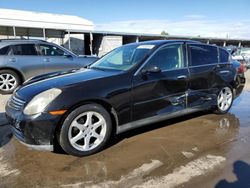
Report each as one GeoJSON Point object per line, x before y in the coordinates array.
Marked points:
{"type": "Point", "coordinates": [134, 85]}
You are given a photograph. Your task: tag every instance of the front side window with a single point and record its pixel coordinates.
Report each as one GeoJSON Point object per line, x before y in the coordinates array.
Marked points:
{"type": "Point", "coordinates": [4, 50]}
{"type": "Point", "coordinates": [123, 58]}
{"type": "Point", "coordinates": [202, 54]}
{"type": "Point", "coordinates": [167, 58]}
{"type": "Point", "coordinates": [23, 49]}
{"type": "Point", "coordinates": [49, 50]}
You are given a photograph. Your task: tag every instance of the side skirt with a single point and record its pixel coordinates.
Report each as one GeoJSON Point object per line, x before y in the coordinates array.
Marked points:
{"type": "Point", "coordinates": [154, 119]}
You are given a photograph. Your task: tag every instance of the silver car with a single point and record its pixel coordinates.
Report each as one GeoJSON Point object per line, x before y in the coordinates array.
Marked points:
{"type": "Point", "coordinates": [23, 59]}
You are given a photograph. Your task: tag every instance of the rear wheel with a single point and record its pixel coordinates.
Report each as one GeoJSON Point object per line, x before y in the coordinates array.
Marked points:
{"type": "Point", "coordinates": [224, 100]}
{"type": "Point", "coordinates": [86, 130]}
{"type": "Point", "coordinates": [9, 81]}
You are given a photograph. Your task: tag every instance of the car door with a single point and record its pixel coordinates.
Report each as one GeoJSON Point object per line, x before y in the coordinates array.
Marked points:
{"type": "Point", "coordinates": [161, 92]}
{"type": "Point", "coordinates": [24, 57]}
{"type": "Point", "coordinates": [55, 59]}
{"type": "Point", "coordinates": [203, 62]}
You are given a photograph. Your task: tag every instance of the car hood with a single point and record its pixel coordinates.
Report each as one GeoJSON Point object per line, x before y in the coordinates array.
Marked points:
{"type": "Point", "coordinates": [60, 80]}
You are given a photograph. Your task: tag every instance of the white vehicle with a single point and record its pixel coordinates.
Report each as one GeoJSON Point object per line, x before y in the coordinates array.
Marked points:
{"type": "Point", "coordinates": [242, 55]}
{"type": "Point", "coordinates": [245, 52]}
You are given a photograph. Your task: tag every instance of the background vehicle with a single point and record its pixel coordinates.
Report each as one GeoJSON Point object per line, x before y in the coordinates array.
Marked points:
{"type": "Point", "coordinates": [240, 78]}
{"type": "Point", "coordinates": [134, 85]}
{"type": "Point", "coordinates": [23, 59]}
{"type": "Point", "coordinates": [245, 52]}
{"type": "Point", "coordinates": [241, 55]}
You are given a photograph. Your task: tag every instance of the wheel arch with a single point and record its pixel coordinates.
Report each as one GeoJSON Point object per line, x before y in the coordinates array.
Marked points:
{"type": "Point", "coordinates": [21, 76]}
{"type": "Point", "coordinates": [110, 109]}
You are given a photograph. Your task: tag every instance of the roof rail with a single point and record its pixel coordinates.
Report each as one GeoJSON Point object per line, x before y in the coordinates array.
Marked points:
{"type": "Point", "coordinates": [1, 40]}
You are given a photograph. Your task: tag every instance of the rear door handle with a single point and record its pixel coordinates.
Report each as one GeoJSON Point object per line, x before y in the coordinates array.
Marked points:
{"type": "Point", "coordinates": [182, 77]}
{"type": "Point", "coordinates": [224, 71]}
{"type": "Point", "coordinates": [12, 59]}
{"type": "Point", "coordinates": [46, 59]}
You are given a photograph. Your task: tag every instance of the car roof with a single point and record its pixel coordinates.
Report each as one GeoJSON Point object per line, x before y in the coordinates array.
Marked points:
{"type": "Point", "coordinates": [162, 42]}
{"type": "Point", "coordinates": [5, 42]}
{"type": "Point", "coordinates": [21, 40]}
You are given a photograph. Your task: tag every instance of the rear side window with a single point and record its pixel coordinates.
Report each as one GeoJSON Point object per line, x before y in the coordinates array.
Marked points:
{"type": "Point", "coordinates": [4, 50]}
{"type": "Point", "coordinates": [23, 49]}
{"type": "Point", "coordinates": [203, 54]}
{"type": "Point", "coordinates": [224, 56]}
{"type": "Point", "coordinates": [49, 50]}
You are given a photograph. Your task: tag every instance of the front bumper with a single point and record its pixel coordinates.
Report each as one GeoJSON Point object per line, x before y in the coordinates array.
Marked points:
{"type": "Point", "coordinates": [36, 132]}
{"type": "Point", "coordinates": [20, 137]}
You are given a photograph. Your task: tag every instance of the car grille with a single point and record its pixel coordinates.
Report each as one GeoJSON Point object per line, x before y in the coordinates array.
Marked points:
{"type": "Point", "coordinates": [16, 103]}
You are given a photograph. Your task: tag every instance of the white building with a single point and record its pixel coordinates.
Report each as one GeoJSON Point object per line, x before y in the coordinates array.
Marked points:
{"type": "Point", "coordinates": [52, 27]}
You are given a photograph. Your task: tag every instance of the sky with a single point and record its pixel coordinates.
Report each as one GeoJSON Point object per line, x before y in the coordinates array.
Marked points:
{"type": "Point", "coordinates": [207, 18]}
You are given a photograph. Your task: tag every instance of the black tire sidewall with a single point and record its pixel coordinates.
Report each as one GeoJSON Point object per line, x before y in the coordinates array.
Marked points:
{"type": "Point", "coordinates": [63, 135]}
{"type": "Point", "coordinates": [17, 80]}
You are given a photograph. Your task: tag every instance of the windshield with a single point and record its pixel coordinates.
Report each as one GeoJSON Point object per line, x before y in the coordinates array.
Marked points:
{"type": "Point", "coordinates": [123, 58]}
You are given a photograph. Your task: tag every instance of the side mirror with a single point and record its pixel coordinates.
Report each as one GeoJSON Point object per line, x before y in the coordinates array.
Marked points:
{"type": "Point", "coordinates": [67, 55]}
{"type": "Point", "coordinates": [153, 69]}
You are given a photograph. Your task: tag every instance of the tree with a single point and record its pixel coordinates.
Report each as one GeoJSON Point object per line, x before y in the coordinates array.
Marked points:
{"type": "Point", "coordinates": [164, 33]}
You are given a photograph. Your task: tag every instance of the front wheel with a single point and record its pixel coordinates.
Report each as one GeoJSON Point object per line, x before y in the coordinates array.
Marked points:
{"type": "Point", "coordinates": [86, 130]}
{"type": "Point", "coordinates": [224, 100]}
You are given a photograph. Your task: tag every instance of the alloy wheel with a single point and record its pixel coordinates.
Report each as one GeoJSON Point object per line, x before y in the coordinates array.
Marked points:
{"type": "Point", "coordinates": [225, 99]}
{"type": "Point", "coordinates": [87, 131]}
{"type": "Point", "coordinates": [7, 82]}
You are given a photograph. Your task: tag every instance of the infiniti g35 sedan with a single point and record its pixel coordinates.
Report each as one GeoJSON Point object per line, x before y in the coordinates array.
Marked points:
{"type": "Point", "coordinates": [21, 59]}
{"type": "Point", "coordinates": [132, 86]}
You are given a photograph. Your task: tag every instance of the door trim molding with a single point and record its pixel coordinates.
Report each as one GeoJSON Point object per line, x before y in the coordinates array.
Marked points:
{"type": "Point", "coordinates": [154, 119]}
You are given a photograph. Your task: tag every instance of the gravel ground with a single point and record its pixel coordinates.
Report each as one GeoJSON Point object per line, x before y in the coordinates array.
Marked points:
{"type": "Point", "coordinates": [3, 100]}
{"type": "Point", "coordinates": [247, 86]}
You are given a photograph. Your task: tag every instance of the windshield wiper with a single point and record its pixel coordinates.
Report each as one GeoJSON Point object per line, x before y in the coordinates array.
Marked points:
{"type": "Point", "coordinates": [96, 68]}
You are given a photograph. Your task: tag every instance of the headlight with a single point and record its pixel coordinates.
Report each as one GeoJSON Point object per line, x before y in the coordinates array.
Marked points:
{"type": "Point", "coordinates": [41, 101]}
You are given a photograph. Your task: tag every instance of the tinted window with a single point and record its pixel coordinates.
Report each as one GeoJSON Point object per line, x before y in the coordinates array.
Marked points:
{"type": "Point", "coordinates": [167, 58]}
{"type": "Point", "coordinates": [4, 50]}
{"type": "Point", "coordinates": [24, 49]}
{"type": "Point", "coordinates": [224, 56]}
{"type": "Point", "coordinates": [49, 50]}
{"type": "Point", "coordinates": [203, 54]}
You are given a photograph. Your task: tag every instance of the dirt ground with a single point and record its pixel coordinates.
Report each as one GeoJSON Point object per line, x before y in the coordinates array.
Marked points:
{"type": "Point", "coordinates": [247, 86]}
{"type": "Point", "coordinates": [198, 150]}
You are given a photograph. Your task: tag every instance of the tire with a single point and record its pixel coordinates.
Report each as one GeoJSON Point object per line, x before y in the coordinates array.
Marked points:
{"type": "Point", "coordinates": [225, 99]}
{"type": "Point", "coordinates": [9, 81]}
{"type": "Point", "coordinates": [86, 130]}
